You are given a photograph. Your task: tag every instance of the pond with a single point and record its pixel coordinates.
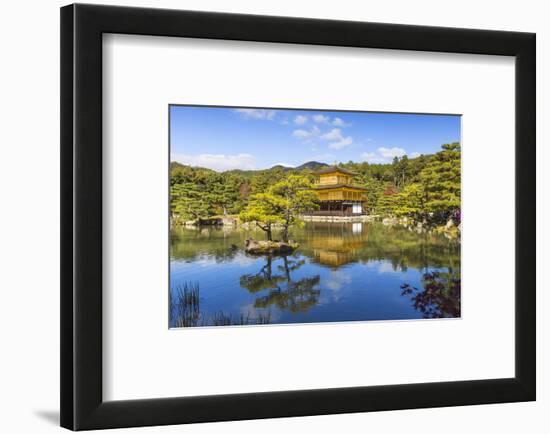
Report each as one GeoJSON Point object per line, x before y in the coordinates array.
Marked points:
{"type": "Point", "coordinates": [340, 272]}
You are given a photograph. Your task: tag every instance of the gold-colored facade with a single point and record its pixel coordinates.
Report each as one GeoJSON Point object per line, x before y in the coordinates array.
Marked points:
{"type": "Point", "coordinates": [337, 194]}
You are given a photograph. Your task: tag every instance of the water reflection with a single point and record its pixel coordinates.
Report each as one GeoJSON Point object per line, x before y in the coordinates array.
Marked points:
{"type": "Point", "coordinates": [439, 296]}
{"type": "Point", "coordinates": [284, 292]}
{"type": "Point", "coordinates": [185, 311]}
{"type": "Point", "coordinates": [335, 244]}
{"type": "Point", "coordinates": [341, 272]}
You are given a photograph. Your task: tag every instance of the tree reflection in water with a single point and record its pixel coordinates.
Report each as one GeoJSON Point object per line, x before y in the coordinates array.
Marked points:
{"type": "Point", "coordinates": [440, 296]}
{"type": "Point", "coordinates": [278, 289]}
{"type": "Point", "coordinates": [284, 292]}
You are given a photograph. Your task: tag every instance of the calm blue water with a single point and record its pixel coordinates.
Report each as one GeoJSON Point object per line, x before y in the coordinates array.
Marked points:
{"type": "Point", "coordinates": [341, 272]}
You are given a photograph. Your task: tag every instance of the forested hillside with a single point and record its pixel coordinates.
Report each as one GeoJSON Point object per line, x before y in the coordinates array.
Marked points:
{"type": "Point", "coordinates": [424, 188]}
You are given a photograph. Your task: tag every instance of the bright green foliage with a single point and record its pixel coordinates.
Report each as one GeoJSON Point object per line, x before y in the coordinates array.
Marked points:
{"type": "Point", "coordinates": [440, 180]}
{"type": "Point", "coordinates": [386, 203]}
{"type": "Point", "coordinates": [225, 194]}
{"type": "Point", "coordinates": [296, 198]}
{"type": "Point", "coordinates": [200, 193]}
{"type": "Point", "coordinates": [429, 189]}
{"type": "Point", "coordinates": [264, 179]}
{"type": "Point", "coordinates": [402, 171]}
{"type": "Point", "coordinates": [425, 188]}
{"type": "Point", "coordinates": [190, 201]}
{"type": "Point", "coordinates": [375, 189]}
{"type": "Point", "coordinates": [410, 201]}
{"type": "Point", "coordinates": [266, 210]}
{"type": "Point", "coordinates": [282, 204]}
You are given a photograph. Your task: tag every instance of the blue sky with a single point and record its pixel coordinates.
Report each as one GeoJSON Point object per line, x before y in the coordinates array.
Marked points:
{"type": "Point", "coordinates": [242, 138]}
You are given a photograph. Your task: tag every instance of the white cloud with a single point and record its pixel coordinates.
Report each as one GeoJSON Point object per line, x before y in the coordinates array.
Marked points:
{"type": "Point", "coordinates": [385, 267]}
{"type": "Point", "coordinates": [301, 134]}
{"type": "Point", "coordinates": [368, 155]}
{"type": "Point", "coordinates": [334, 134]}
{"type": "Point", "coordinates": [321, 119]}
{"type": "Point", "coordinates": [386, 155]}
{"type": "Point", "coordinates": [339, 122]}
{"type": "Point", "coordinates": [300, 120]}
{"type": "Point", "coordinates": [373, 158]}
{"type": "Point", "coordinates": [219, 162]}
{"type": "Point", "coordinates": [257, 113]}
{"type": "Point", "coordinates": [338, 140]}
{"type": "Point", "coordinates": [306, 134]}
{"type": "Point", "coordinates": [337, 280]}
{"type": "Point", "coordinates": [391, 152]}
{"type": "Point", "coordinates": [346, 141]}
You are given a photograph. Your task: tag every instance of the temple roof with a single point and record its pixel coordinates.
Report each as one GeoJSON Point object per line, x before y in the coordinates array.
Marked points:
{"type": "Point", "coordinates": [331, 186]}
{"type": "Point", "coordinates": [331, 169]}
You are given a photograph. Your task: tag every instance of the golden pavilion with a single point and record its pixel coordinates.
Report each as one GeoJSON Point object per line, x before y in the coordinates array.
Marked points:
{"type": "Point", "coordinates": [337, 194]}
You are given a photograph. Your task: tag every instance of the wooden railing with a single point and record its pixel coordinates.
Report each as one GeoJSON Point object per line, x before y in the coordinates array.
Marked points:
{"type": "Point", "coordinates": [332, 213]}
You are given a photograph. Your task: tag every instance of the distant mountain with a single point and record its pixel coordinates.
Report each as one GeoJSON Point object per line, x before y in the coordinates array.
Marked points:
{"type": "Point", "coordinates": [280, 167]}
{"type": "Point", "coordinates": [312, 165]}
{"type": "Point", "coordinates": [176, 164]}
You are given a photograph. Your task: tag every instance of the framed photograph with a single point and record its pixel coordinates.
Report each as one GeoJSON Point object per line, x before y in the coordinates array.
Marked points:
{"type": "Point", "coordinates": [258, 240]}
{"type": "Point", "coordinates": [268, 217]}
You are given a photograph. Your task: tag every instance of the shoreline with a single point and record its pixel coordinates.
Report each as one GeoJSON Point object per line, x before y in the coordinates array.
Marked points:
{"type": "Point", "coordinates": [338, 219]}
{"type": "Point", "coordinates": [450, 229]}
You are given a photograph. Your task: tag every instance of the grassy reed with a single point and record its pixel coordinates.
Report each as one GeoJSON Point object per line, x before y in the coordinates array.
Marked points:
{"type": "Point", "coordinates": [185, 311]}
{"type": "Point", "coordinates": [185, 305]}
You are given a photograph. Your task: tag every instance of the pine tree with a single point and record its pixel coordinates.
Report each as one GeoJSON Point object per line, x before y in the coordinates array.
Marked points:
{"type": "Point", "coordinates": [440, 181]}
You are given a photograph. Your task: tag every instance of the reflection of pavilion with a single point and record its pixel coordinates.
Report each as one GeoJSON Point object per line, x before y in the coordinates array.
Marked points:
{"type": "Point", "coordinates": [337, 244]}
{"type": "Point", "coordinates": [332, 258]}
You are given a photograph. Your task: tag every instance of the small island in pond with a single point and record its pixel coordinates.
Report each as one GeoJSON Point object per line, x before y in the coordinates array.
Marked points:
{"type": "Point", "coordinates": [371, 238]}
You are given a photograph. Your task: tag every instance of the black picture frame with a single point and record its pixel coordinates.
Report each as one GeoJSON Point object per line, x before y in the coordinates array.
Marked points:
{"type": "Point", "coordinates": [82, 405]}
